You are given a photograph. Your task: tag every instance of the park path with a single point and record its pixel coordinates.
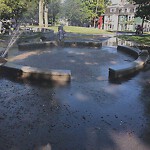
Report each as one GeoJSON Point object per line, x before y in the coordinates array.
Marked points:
{"type": "Point", "coordinates": [89, 113]}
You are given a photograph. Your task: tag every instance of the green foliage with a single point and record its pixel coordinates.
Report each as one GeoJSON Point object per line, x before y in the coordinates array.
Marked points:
{"type": "Point", "coordinates": [31, 10]}
{"type": "Point", "coordinates": [142, 9]}
{"type": "Point", "coordinates": [95, 6]}
{"type": "Point", "coordinates": [75, 11]}
{"type": "Point", "coordinates": [107, 2]}
{"type": "Point", "coordinates": [12, 8]}
{"type": "Point", "coordinates": [54, 9]}
{"type": "Point", "coordinates": [82, 11]}
{"type": "Point", "coordinates": [144, 39]}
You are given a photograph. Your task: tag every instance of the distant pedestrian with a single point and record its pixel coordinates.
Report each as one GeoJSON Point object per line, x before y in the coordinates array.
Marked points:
{"type": "Point", "coordinates": [60, 33]}
{"type": "Point", "coordinates": [139, 30]}
{"type": "Point", "coordinates": [1, 24]}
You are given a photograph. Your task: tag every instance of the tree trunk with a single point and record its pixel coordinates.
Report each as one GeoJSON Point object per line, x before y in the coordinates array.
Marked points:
{"type": "Point", "coordinates": [95, 19]}
{"type": "Point", "coordinates": [142, 22]}
{"type": "Point", "coordinates": [46, 14]}
{"type": "Point", "coordinates": [41, 3]}
{"type": "Point", "coordinates": [96, 14]}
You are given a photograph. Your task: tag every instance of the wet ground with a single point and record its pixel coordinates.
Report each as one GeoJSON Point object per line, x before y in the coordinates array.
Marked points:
{"type": "Point", "coordinates": [90, 113]}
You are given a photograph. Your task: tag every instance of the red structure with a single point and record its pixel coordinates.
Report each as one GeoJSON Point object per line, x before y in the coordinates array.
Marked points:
{"type": "Point", "coordinates": [100, 22]}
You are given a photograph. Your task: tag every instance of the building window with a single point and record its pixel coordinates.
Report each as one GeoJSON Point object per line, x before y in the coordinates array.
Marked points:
{"type": "Point", "coordinates": [134, 9]}
{"type": "Point", "coordinates": [112, 10]}
{"type": "Point", "coordinates": [129, 18]}
{"type": "Point", "coordinates": [131, 10]}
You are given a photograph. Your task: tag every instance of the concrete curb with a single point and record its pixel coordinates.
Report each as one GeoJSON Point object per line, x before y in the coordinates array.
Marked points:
{"type": "Point", "coordinates": [82, 43]}
{"type": "Point", "coordinates": [37, 45]}
{"type": "Point", "coordinates": [2, 61]}
{"type": "Point", "coordinates": [119, 71]}
{"type": "Point", "coordinates": [129, 50]}
{"type": "Point", "coordinates": [29, 46]}
{"type": "Point", "coordinates": [32, 73]}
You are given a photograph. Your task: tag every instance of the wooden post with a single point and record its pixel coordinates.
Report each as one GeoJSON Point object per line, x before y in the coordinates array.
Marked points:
{"type": "Point", "coordinates": [41, 3]}
{"type": "Point", "coordinates": [46, 14]}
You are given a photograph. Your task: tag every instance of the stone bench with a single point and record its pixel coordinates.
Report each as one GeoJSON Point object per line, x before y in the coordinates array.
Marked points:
{"type": "Point", "coordinates": [33, 73]}
{"type": "Point", "coordinates": [82, 43]}
{"type": "Point", "coordinates": [129, 50]}
{"type": "Point", "coordinates": [36, 45]}
{"type": "Point", "coordinates": [119, 71]}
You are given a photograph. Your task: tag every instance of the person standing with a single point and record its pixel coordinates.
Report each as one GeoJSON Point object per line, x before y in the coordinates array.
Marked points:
{"type": "Point", "coordinates": [1, 26]}
{"type": "Point", "coordinates": [60, 33]}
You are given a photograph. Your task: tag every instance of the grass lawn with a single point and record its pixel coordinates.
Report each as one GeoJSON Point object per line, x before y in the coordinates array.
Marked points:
{"type": "Point", "coordinates": [81, 30]}
{"type": "Point", "coordinates": [141, 39]}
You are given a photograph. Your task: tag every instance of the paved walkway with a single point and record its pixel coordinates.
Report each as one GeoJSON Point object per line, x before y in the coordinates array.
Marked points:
{"type": "Point", "coordinates": [89, 113]}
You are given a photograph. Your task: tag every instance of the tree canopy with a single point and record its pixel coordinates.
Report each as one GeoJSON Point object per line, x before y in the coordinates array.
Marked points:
{"type": "Point", "coordinates": [142, 9]}
{"type": "Point", "coordinates": [31, 11]}
{"type": "Point", "coordinates": [48, 11]}
{"type": "Point", "coordinates": [75, 11]}
{"type": "Point", "coordinates": [54, 9]}
{"type": "Point", "coordinates": [28, 9]}
{"type": "Point", "coordinates": [12, 8]}
{"type": "Point", "coordinates": [80, 11]}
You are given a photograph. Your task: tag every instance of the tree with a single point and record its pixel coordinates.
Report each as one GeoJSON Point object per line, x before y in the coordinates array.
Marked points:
{"type": "Point", "coordinates": [48, 9]}
{"type": "Point", "coordinates": [54, 10]}
{"type": "Point", "coordinates": [31, 14]}
{"type": "Point", "coordinates": [46, 13]}
{"type": "Point", "coordinates": [80, 11]}
{"type": "Point", "coordinates": [76, 12]}
{"type": "Point", "coordinates": [12, 8]}
{"type": "Point", "coordinates": [143, 8]}
{"type": "Point", "coordinates": [96, 8]}
{"type": "Point", "coordinates": [41, 12]}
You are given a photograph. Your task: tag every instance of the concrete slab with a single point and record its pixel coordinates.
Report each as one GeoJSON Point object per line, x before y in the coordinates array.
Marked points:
{"type": "Point", "coordinates": [36, 45]}
{"type": "Point", "coordinates": [91, 113]}
{"type": "Point", "coordinates": [33, 73]}
{"type": "Point", "coordinates": [82, 43]}
{"type": "Point", "coordinates": [120, 70]}
{"type": "Point", "coordinates": [129, 50]}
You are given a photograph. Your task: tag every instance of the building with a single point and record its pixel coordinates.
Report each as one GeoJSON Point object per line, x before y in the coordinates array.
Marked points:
{"type": "Point", "coordinates": [121, 17]}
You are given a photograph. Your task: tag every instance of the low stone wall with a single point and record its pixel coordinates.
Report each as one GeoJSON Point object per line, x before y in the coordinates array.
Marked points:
{"type": "Point", "coordinates": [81, 43]}
{"type": "Point", "coordinates": [30, 34]}
{"type": "Point", "coordinates": [119, 71]}
{"type": "Point", "coordinates": [36, 45]}
{"type": "Point", "coordinates": [129, 50]}
{"type": "Point", "coordinates": [32, 73]}
{"type": "Point", "coordinates": [2, 61]}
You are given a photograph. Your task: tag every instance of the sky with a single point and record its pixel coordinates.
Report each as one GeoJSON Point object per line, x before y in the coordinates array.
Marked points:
{"type": "Point", "coordinates": [114, 1]}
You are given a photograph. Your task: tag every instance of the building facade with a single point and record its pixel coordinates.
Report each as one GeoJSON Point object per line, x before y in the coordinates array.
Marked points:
{"type": "Point", "coordinates": [121, 17]}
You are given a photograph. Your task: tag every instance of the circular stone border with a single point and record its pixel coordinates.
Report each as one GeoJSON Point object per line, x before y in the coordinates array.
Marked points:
{"type": "Point", "coordinates": [122, 70]}
{"type": "Point", "coordinates": [33, 73]}
{"type": "Point", "coordinates": [37, 45]}
{"type": "Point", "coordinates": [30, 73]}
{"type": "Point", "coordinates": [82, 44]}
{"type": "Point", "coordinates": [59, 76]}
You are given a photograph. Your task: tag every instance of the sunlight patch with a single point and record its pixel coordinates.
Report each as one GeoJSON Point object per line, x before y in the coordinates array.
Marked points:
{"type": "Point", "coordinates": [81, 97]}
